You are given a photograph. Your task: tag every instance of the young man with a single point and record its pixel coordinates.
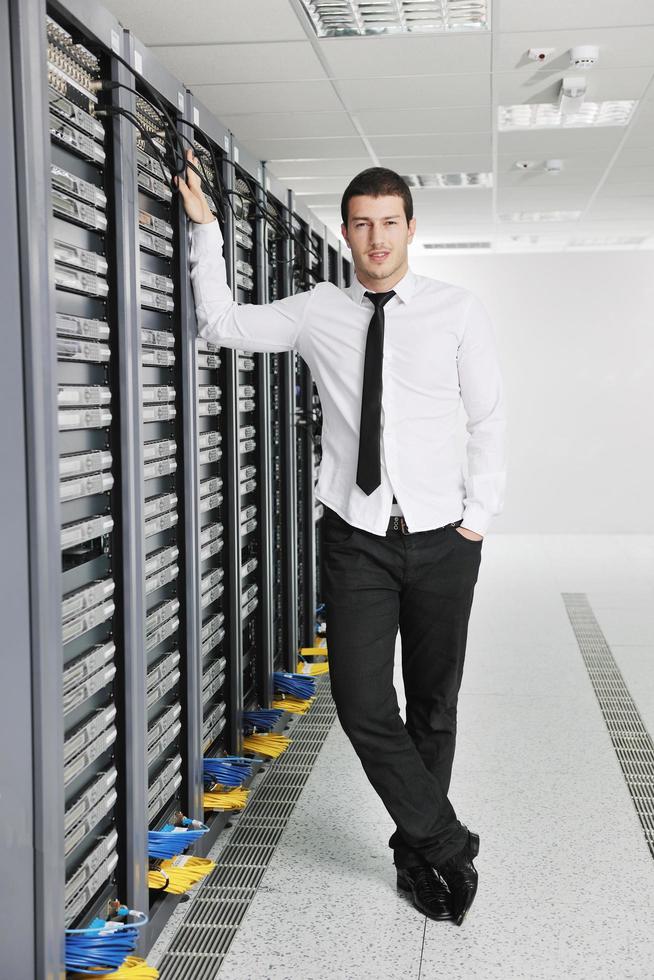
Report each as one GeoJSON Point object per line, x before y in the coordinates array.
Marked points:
{"type": "Point", "coordinates": [392, 356]}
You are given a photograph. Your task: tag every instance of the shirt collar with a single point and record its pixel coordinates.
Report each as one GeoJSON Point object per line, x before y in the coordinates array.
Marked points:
{"type": "Point", "coordinates": [404, 288]}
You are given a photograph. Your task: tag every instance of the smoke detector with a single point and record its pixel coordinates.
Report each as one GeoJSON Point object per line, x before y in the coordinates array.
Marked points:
{"type": "Point", "coordinates": [584, 56]}
{"type": "Point", "coordinates": [554, 166]}
{"type": "Point", "coordinates": [525, 164]}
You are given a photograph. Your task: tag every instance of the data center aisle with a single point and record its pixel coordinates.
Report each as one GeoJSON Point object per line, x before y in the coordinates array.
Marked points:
{"type": "Point", "coordinates": [566, 878]}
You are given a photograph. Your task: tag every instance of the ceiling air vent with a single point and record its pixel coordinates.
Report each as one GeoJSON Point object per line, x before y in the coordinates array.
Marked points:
{"type": "Point", "coordinates": [351, 18]}
{"type": "Point", "coordinates": [545, 115]}
{"type": "Point", "coordinates": [449, 180]}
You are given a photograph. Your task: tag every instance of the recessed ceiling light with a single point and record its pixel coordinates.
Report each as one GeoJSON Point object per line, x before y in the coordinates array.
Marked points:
{"type": "Point", "coordinates": [449, 180]}
{"type": "Point", "coordinates": [540, 216]}
{"type": "Point", "coordinates": [343, 18]}
{"type": "Point", "coordinates": [545, 115]}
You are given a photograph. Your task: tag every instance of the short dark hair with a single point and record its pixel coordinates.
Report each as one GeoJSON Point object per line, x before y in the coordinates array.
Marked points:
{"type": "Point", "coordinates": [377, 182]}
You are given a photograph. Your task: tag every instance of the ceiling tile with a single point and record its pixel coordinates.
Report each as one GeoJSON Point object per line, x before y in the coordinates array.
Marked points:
{"type": "Point", "coordinates": [290, 124]}
{"type": "Point", "coordinates": [623, 175]}
{"type": "Point", "coordinates": [226, 22]}
{"type": "Point", "coordinates": [415, 92]}
{"type": "Point", "coordinates": [305, 186]}
{"type": "Point", "coordinates": [619, 47]}
{"type": "Point", "coordinates": [209, 64]}
{"type": "Point", "coordinates": [423, 144]}
{"type": "Point", "coordinates": [526, 85]}
{"type": "Point", "coordinates": [547, 143]}
{"type": "Point", "coordinates": [324, 167]}
{"type": "Point", "coordinates": [534, 15]}
{"type": "Point", "coordinates": [269, 97]}
{"type": "Point", "coordinates": [379, 122]}
{"type": "Point", "coordinates": [442, 164]}
{"type": "Point", "coordinates": [573, 166]}
{"type": "Point", "coordinates": [368, 57]}
{"type": "Point", "coordinates": [292, 148]}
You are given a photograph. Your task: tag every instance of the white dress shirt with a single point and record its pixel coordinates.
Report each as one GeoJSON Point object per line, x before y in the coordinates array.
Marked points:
{"type": "Point", "coordinates": [439, 349]}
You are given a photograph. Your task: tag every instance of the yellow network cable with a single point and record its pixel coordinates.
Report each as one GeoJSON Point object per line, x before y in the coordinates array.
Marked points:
{"type": "Point", "coordinates": [296, 706]}
{"type": "Point", "coordinates": [178, 875]}
{"type": "Point", "coordinates": [219, 799]}
{"type": "Point", "coordinates": [266, 743]}
{"type": "Point", "coordinates": [314, 669]}
{"type": "Point", "coordinates": [134, 968]}
{"type": "Point", "coordinates": [315, 651]}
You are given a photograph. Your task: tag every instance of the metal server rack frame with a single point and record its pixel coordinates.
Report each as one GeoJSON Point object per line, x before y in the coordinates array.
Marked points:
{"type": "Point", "coordinates": [303, 418]}
{"type": "Point", "coordinates": [36, 262]}
{"type": "Point", "coordinates": [249, 171]}
{"type": "Point", "coordinates": [203, 129]}
{"type": "Point", "coordinates": [173, 94]}
{"type": "Point", "coordinates": [29, 603]}
{"type": "Point", "coordinates": [274, 189]}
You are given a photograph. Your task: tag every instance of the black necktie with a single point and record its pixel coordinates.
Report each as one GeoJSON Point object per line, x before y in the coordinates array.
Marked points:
{"type": "Point", "coordinates": [369, 467]}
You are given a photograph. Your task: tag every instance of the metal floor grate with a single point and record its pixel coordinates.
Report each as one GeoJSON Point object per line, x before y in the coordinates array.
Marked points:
{"type": "Point", "coordinates": [632, 742]}
{"type": "Point", "coordinates": [214, 913]}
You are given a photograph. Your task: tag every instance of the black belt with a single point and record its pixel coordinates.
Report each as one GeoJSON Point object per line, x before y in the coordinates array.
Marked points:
{"type": "Point", "coordinates": [399, 524]}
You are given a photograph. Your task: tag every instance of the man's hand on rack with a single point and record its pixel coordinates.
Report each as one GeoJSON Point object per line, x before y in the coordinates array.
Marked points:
{"type": "Point", "coordinates": [471, 535]}
{"type": "Point", "coordinates": [195, 203]}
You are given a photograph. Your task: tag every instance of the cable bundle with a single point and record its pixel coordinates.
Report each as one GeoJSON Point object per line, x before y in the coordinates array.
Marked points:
{"type": "Point", "coordinates": [179, 874]}
{"type": "Point", "coordinates": [304, 667]}
{"type": "Point", "coordinates": [171, 841]}
{"type": "Point", "coordinates": [294, 705]}
{"type": "Point", "coordinates": [263, 719]}
{"type": "Point", "coordinates": [103, 945]}
{"type": "Point", "coordinates": [268, 743]}
{"type": "Point", "coordinates": [233, 799]}
{"type": "Point", "coordinates": [298, 685]}
{"type": "Point", "coordinates": [134, 968]}
{"type": "Point", "coordinates": [228, 770]}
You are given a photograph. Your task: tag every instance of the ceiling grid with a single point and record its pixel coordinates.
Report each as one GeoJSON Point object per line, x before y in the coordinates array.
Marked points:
{"type": "Point", "coordinates": [320, 109]}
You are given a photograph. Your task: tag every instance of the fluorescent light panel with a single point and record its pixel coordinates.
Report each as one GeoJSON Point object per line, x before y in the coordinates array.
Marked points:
{"type": "Point", "coordinates": [545, 115]}
{"type": "Point", "coordinates": [449, 180]}
{"type": "Point", "coordinates": [351, 18]}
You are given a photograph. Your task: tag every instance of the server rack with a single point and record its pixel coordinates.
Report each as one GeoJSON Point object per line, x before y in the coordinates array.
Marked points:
{"type": "Point", "coordinates": [219, 687]}
{"type": "Point", "coordinates": [279, 281]}
{"type": "Point", "coordinates": [158, 549]}
{"type": "Point", "coordinates": [304, 271]}
{"type": "Point", "coordinates": [346, 269]}
{"type": "Point", "coordinates": [332, 259]}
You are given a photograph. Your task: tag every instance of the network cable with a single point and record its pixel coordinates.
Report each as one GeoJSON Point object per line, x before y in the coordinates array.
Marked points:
{"type": "Point", "coordinates": [298, 685]}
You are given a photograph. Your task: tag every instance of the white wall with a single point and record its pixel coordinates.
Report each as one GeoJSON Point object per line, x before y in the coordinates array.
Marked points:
{"type": "Point", "coordinates": [576, 341]}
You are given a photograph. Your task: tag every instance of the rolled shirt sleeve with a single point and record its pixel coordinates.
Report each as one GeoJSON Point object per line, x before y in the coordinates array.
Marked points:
{"type": "Point", "coordinates": [482, 393]}
{"type": "Point", "coordinates": [270, 327]}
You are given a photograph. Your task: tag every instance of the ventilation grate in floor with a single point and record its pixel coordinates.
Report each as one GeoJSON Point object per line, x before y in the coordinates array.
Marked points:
{"type": "Point", "coordinates": [632, 742]}
{"type": "Point", "coordinates": [217, 908]}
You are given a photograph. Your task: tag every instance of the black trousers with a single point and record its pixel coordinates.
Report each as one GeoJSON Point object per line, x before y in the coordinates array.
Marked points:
{"type": "Point", "coordinates": [423, 584]}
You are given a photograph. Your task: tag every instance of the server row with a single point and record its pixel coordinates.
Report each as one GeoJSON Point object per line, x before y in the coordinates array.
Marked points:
{"type": "Point", "coordinates": [171, 480]}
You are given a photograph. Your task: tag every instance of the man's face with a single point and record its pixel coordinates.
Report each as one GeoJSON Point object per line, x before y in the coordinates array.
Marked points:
{"type": "Point", "coordinates": [378, 235]}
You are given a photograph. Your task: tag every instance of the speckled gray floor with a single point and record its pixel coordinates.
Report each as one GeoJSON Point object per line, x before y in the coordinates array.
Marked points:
{"type": "Point", "coordinates": [566, 881]}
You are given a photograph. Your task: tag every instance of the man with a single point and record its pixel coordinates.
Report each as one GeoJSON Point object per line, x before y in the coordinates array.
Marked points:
{"type": "Point", "coordinates": [390, 385]}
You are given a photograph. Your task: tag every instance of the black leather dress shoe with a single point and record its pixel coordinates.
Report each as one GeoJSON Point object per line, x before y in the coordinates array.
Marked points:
{"type": "Point", "coordinates": [460, 875]}
{"type": "Point", "coordinates": [430, 896]}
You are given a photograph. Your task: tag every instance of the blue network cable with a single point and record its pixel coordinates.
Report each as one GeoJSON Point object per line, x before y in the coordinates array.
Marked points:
{"type": "Point", "coordinates": [298, 685]}
{"type": "Point", "coordinates": [264, 719]}
{"type": "Point", "coordinates": [229, 770]}
{"type": "Point", "coordinates": [104, 944]}
{"type": "Point", "coordinates": [171, 841]}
